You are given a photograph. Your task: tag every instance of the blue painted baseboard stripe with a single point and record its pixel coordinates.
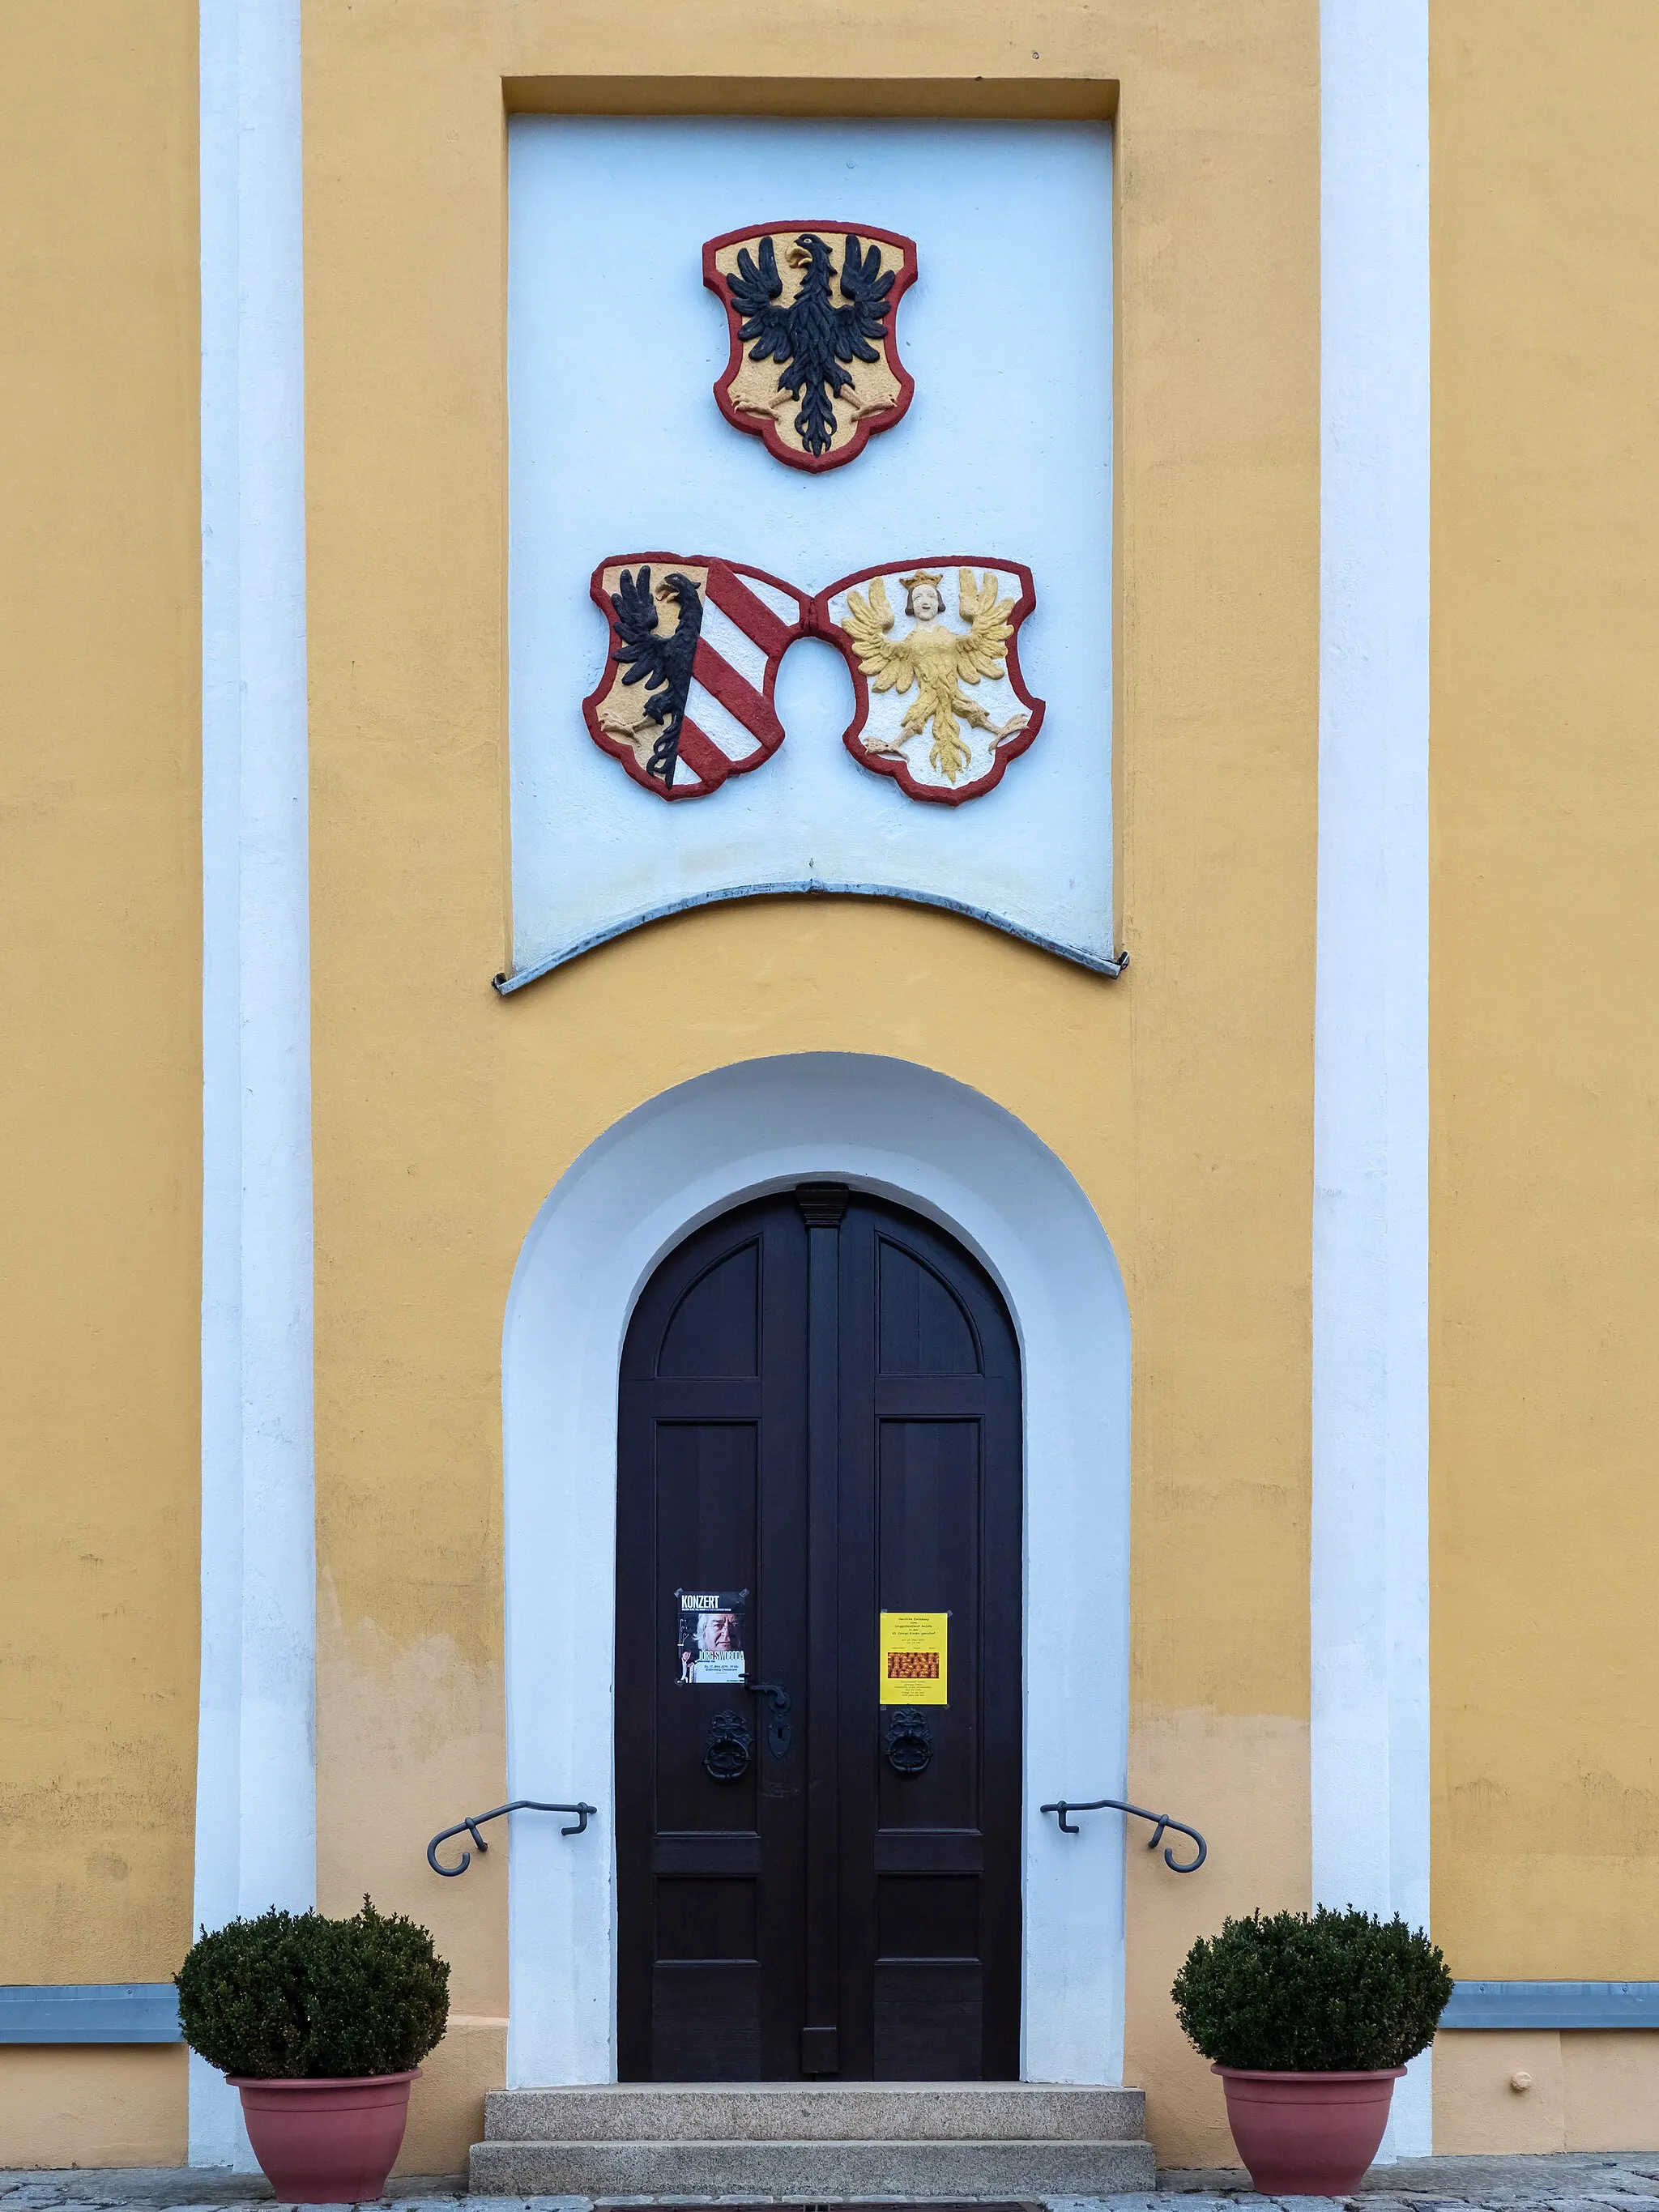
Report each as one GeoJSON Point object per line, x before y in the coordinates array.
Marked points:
{"type": "Point", "coordinates": [148, 2012]}
{"type": "Point", "coordinates": [1552, 2004]}
{"type": "Point", "coordinates": [89, 2012]}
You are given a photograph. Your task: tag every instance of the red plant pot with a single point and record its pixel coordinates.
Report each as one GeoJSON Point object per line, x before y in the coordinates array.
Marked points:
{"type": "Point", "coordinates": [1307, 2135]}
{"type": "Point", "coordinates": [326, 2141]}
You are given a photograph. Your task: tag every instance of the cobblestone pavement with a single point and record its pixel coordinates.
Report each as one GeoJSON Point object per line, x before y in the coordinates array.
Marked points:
{"type": "Point", "coordinates": [1574, 2183]}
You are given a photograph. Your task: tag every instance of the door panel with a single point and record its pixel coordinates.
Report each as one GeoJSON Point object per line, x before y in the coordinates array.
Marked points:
{"type": "Point", "coordinates": [706, 2022]}
{"type": "Point", "coordinates": [929, 2020]}
{"type": "Point", "coordinates": [928, 1510]}
{"type": "Point", "coordinates": [714, 1329]}
{"type": "Point", "coordinates": [820, 1405]}
{"type": "Point", "coordinates": [922, 1326]}
{"type": "Point", "coordinates": [707, 1515]}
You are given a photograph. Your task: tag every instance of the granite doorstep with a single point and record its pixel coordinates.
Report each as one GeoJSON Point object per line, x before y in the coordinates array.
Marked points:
{"type": "Point", "coordinates": [796, 2111]}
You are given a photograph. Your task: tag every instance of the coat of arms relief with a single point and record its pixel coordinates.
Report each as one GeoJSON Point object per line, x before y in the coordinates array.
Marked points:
{"type": "Point", "coordinates": [814, 366]}
{"type": "Point", "coordinates": [686, 700]}
{"type": "Point", "coordinates": [911, 662]}
{"type": "Point", "coordinates": [686, 697]}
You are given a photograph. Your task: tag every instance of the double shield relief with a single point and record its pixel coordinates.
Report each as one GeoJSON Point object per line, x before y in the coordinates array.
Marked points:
{"type": "Point", "coordinates": [686, 698]}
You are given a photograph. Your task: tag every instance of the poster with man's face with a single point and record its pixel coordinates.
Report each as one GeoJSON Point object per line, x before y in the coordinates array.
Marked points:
{"type": "Point", "coordinates": [711, 1635]}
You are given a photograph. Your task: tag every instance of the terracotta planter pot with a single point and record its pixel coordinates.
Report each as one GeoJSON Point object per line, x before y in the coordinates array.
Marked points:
{"type": "Point", "coordinates": [1307, 2135]}
{"type": "Point", "coordinates": [326, 2141]}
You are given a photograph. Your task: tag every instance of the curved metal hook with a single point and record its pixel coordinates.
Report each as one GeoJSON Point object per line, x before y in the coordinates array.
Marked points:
{"type": "Point", "coordinates": [471, 1824]}
{"type": "Point", "coordinates": [1160, 1821]}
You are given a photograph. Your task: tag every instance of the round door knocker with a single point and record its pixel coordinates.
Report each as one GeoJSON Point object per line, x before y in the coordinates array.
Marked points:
{"type": "Point", "coordinates": [726, 1755]}
{"type": "Point", "coordinates": [910, 1741]}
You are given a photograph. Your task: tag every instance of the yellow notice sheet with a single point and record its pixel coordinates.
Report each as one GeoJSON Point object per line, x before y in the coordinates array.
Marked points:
{"type": "Point", "coordinates": [913, 1658]}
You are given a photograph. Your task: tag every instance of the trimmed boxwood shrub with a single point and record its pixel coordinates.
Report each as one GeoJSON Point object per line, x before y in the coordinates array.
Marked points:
{"type": "Point", "coordinates": [1338, 1993]}
{"type": "Point", "coordinates": [297, 1997]}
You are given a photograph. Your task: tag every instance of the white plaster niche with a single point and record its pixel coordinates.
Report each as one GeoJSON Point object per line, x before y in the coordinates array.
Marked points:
{"type": "Point", "coordinates": [617, 447]}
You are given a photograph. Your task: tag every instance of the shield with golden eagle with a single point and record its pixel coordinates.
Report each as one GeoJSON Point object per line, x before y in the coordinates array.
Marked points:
{"type": "Point", "coordinates": [814, 367]}
{"type": "Point", "coordinates": [686, 700]}
{"type": "Point", "coordinates": [933, 648]}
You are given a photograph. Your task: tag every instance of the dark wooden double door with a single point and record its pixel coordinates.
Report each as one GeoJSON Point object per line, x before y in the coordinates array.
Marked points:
{"type": "Point", "coordinates": [820, 1407]}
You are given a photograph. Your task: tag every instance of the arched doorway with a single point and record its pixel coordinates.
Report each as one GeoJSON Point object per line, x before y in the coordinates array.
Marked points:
{"type": "Point", "coordinates": [818, 1712]}
{"type": "Point", "coordinates": [680, 1159]}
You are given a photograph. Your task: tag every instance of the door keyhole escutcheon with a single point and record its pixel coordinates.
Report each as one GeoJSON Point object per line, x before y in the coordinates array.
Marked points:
{"type": "Point", "coordinates": [726, 1753]}
{"type": "Point", "coordinates": [780, 1730]}
{"type": "Point", "coordinates": [910, 1741]}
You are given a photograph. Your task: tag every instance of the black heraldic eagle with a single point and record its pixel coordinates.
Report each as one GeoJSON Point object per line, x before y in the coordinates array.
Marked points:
{"type": "Point", "coordinates": [812, 338]}
{"type": "Point", "coordinates": [662, 663]}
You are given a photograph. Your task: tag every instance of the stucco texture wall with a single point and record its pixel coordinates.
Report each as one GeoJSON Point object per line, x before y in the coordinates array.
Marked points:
{"type": "Point", "coordinates": [1179, 1096]}
{"type": "Point", "coordinates": [100, 1110]}
{"type": "Point", "coordinates": [1546, 1076]}
{"type": "Point", "coordinates": [1537, 2090]}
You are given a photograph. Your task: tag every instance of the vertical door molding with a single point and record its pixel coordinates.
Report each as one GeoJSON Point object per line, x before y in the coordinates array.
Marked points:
{"type": "Point", "coordinates": [256, 1777]}
{"type": "Point", "coordinates": [675, 1161]}
{"type": "Point", "coordinates": [822, 1208]}
{"type": "Point", "coordinates": [1370, 1580]}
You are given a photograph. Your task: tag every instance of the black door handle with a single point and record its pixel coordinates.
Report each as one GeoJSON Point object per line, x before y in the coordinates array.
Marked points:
{"type": "Point", "coordinates": [910, 1741]}
{"type": "Point", "coordinates": [780, 1731]}
{"type": "Point", "coordinates": [726, 1756]}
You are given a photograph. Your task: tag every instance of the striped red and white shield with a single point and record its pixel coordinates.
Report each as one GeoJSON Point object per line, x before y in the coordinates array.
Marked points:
{"type": "Point", "coordinates": [686, 700]}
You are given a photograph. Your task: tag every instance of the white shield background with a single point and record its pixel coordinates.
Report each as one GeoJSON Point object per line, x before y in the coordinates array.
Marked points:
{"type": "Point", "coordinates": [616, 441]}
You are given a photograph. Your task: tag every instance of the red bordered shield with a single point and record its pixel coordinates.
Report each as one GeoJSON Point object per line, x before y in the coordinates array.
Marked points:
{"type": "Point", "coordinates": [686, 700]}
{"type": "Point", "coordinates": [811, 308]}
{"type": "Point", "coordinates": [933, 648]}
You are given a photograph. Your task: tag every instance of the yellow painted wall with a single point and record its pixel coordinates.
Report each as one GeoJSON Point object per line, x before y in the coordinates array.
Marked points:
{"type": "Point", "coordinates": [1542, 2092]}
{"type": "Point", "coordinates": [1545, 1058]}
{"type": "Point", "coordinates": [1180, 1096]}
{"type": "Point", "coordinates": [99, 1107]}
{"type": "Point", "coordinates": [93, 2105]}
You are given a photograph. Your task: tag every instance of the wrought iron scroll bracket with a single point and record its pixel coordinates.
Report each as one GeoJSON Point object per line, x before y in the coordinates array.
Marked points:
{"type": "Point", "coordinates": [1161, 1822]}
{"type": "Point", "coordinates": [474, 1821]}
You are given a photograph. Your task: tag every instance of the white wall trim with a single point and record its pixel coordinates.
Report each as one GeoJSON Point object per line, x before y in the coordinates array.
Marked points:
{"type": "Point", "coordinates": [256, 1769]}
{"type": "Point", "coordinates": [1369, 1594]}
{"type": "Point", "coordinates": [632, 1195]}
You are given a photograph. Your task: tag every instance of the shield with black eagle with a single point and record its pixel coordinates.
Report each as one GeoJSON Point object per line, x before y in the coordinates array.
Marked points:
{"type": "Point", "coordinates": [811, 308]}
{"type": "Point", "coordinates": [686, 700]}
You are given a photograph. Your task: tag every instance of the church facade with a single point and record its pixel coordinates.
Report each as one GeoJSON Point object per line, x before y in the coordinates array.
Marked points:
{"type": "Point", "coordinates": [827, 863]}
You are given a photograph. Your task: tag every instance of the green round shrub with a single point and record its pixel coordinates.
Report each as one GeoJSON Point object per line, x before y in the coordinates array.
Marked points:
{"type": "Point", "coordinates": [294, 1997]}
{"type": "Point", "coordinates": [1338, 1993]}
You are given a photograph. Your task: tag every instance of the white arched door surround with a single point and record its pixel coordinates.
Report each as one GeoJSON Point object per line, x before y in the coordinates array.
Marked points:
{"type": "Point", "coordinates": [948, 1151]}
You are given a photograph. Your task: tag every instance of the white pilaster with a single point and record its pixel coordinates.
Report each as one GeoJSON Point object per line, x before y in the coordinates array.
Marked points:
{"type": "Point", "coordinates": [1370, 1597]}
{"type": "Point", "coordinates": [256, 1781]}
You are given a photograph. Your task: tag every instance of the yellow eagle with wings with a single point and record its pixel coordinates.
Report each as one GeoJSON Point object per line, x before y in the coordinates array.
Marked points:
{"type": "Point", "coordinates": [935, 660]}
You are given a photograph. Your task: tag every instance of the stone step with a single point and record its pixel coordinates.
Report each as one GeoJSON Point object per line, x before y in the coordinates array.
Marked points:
{"type": "Point", "coordinates": [804, 2111]}
{"type": "Point", "coordinates": [911, 2167]}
